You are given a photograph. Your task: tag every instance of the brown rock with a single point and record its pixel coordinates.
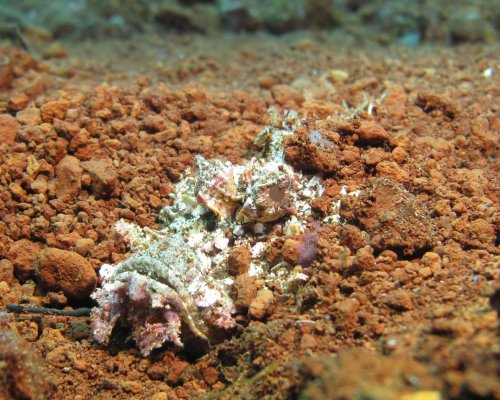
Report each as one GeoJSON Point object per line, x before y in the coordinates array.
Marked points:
{"type": "Point", "coordinates": [4, 288]}
{"type": "Point", "coordinates": [29, 116]}
{"type": "Point", "coordinates": [442, 207]}
{"type": "Point", "coordinates": [145, 219]}
{"type": "Point", "coordinates": [110, 384]}
{"type": "Point", "coordinates": [6, 271]}
{"type": "Point", "coordinates": [345, 313]}
{"type": "Point", "coordinates": [127, 213]}
{"type": "Point", "coordinates": [68, 178]}
{"type": "Point", "coordinates": [239, 260]}
{"type": "Point", "coordinates": [156, 372]}
{"type": "Point", "coordinates": [22, 254]}
{"type": "Point", "coordinates": [291, 250]}
{"type": "Point", "coordinates": [373, 156]}
{"type": "Point", "coordinates": [399, 154]}
{"type": "Point", "coordinates": [133, 387]}
{"type": "Point", "coordinates": [68, 239]}
{"type": "Point", "coordinates": [394, 218]}
{"type": "Point", "coordinates": [308, 341]}
{"type": "Point", "coordinates": [154, 123]}
{"type": "Point", "coordinates": [55, 150]}
{"type": "Point", "coordinates": [18, 102]}
{"type": "Point", "coordinates": [66, 129]}
{"type": "Point", "coordinates": [104, 176]}
{"type": "Point", "coordinates": [57, 299]}
{"type": "Point", "coordinates": [160, 396]}
{"type": "Point", "coordinates": [66, 271]}
{"type": "Point", "coordinates": [80, 329]}
{"type": "Point", "coordinates": [101, 251]}
{"type": "Point", "coordinates": [22, 377]}
{"type": "Point", "coordinates": [40, 184]}
{"type": "Point", "coordinates": [400, 300]}
{"type": "Point", "coordinates": [54, 109]}
{"type": "Point", "coordinates": [84, 246]}
{"type": "Point", "coordinates": [79, 140]}
{"type": "Point", "coordinates": [313, 151]}
{"type": "Point", "coordinates": [260, 306]}
{"type": "Point", "coordinates": [432, 261]}
{"type": "Point", "coordinates": [349, 156]}
{"type": "Point", "coordinates": [287, 96]}
{"type": "Point", "coordinates": [396, 100]}
{"type": "Point", "coordinates": [154, 201]}
{"type": "Point", "coordinates": [8, 129]}
{"type": "Point", "coordinates": [17, 191]}
{"type": "Point", "coordinates": [351, 236]}
{"type": "Point", "coordinates": [246, 291]}
{"type": "Point", "coordinates": [176, 370]}
{"type": "Point", "coordinates": [370, 132]}
{"type": "Point", "coordinates": [210, 375]}
{"type": "Point", "coordinates": [474, 234]}
{"type": "Point", "coordinates": [484, 136]}
{"type": "Point", "coordinates": [364, 259]}
{"type": "Point", "coordinates": [392, 170]}
{"type": "Point", "coordinates": [80, 365]}
{"type": "Point", "coordinates": [430, 102]}
{"type": "Point", "coordinates": [425, 272]}
{"type": "Point", "coordinates": [181, 393]}
{"type": "Point", "coordinates": [6, 72]}
{"type": "Point", "coordinates": [58, 357]}
{"type": "Point", "coordinates": [451, 326]}
{"type": "Point", "coordinates": [102, 98]}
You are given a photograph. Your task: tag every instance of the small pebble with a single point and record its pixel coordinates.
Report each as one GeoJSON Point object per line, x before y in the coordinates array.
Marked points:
{"type": "Point", "coordinates": [260, 306]}
{"type": "Point", "coordinates": [177, 368]}
{"type": "Point", "coordinates": [67, 271]}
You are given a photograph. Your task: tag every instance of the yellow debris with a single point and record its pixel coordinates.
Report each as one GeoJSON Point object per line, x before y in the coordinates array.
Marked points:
{"type": "Point", "coordinates": [33, 167]}
{"type": "Point", "coordinates": [422, 395]}
{"type": "Point", "coordinates": [337, 75]}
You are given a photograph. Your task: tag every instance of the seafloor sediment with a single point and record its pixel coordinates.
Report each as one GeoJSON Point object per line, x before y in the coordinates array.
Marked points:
{"type": "Point", "coordinates": [399, 298]}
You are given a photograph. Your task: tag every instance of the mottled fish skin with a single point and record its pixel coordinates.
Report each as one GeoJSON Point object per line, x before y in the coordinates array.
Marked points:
{"type": "Point", "coordinates": [177, 275]}
{"type": "Point", "coordinates": [169, 266]}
